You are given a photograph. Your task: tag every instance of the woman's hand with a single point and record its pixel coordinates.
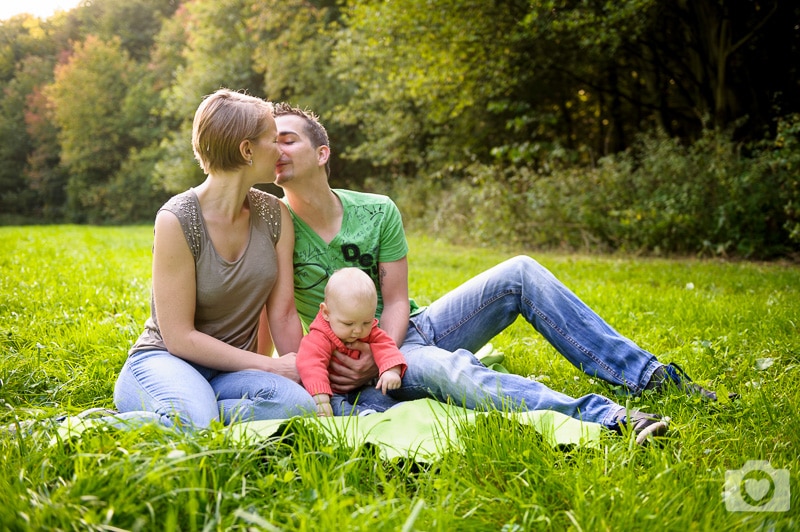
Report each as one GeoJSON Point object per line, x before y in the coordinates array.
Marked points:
{"type": "Point", "coordinates": [285, 366]}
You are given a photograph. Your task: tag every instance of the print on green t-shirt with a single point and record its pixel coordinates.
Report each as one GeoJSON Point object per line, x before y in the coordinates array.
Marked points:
{"type": "Point", "coordinates": [371, 233]}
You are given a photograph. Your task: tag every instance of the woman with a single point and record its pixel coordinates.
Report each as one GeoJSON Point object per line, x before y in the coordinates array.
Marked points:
{"type": "Point", "coordinates": [221, 252]}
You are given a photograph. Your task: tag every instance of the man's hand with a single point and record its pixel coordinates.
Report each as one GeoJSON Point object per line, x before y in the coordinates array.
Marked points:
{"type": "Point", "coordinates": [389, 380]}
{"type": "Point", "coordinates": [348, 374]}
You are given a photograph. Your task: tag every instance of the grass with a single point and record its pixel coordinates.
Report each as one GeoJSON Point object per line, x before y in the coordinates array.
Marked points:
{"type": "Point", "coordinates": [73, 299]}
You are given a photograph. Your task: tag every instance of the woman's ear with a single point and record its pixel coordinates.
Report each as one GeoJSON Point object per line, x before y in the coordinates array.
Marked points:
{"type": "Point", "coordinates": [246, 149]}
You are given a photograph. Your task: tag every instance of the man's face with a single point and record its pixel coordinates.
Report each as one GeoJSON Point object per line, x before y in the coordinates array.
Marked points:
{"type": "Point", "coordinates": [300, 159]}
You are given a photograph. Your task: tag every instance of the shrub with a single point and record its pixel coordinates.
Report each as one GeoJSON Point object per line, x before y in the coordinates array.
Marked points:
{"type": "Point", "coordinates": [658, 197]}
{"type": "Point", "coordinates": [776, 163]}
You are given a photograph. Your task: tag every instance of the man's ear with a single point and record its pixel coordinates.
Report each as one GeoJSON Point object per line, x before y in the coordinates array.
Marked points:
{"type": "Point", "coordinates": [323, 154]}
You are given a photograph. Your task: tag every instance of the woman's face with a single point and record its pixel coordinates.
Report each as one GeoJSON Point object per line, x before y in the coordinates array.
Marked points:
{"type": "Point", "coordinates": [266, 152]}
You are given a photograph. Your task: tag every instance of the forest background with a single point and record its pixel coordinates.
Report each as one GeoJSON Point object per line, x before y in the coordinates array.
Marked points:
{"type": "Point", "coordinates": [648, 126]}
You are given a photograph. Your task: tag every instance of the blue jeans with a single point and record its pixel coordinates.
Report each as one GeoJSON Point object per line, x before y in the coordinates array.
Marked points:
{"type": "Point", "coordinates": [190, 395]}
{"type": "Point", "coordinates": [441, 339]}
{"type": "Point", "coordinates": [362, 401]}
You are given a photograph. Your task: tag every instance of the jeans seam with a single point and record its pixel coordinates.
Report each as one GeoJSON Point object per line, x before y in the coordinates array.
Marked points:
{"type": "Point", "coordinates": [572, 341]}
{"type": "Point", "coordinates": [475, 312]}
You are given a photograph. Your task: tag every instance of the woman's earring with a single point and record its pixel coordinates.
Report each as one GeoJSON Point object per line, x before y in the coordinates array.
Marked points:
{"type": "Point", "coordinates": [250, 162]}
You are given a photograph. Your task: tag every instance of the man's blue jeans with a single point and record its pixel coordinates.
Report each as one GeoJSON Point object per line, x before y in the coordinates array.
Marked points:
{"type": "Point", "coordinates": [193, 396]}
{"type": "Point", "coordinates": [442, 337]}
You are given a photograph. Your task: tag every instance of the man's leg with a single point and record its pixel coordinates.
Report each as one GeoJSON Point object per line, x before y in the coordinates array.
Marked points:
{"type": "Point", "coordinates": [366, 400]}
{"type": "Point", "coordinates": [474, 313]}
{"type": "Point", "coordinates": [460, 378]}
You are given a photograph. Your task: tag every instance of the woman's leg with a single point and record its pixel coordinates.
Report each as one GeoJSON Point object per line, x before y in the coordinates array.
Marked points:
{"type": "Point", "coordinates": [157, 381]}
{"type": "Point", "coordinates": [252, 395]}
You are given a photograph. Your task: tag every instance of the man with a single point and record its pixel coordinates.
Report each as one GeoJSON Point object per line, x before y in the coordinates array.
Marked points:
{"type": "Point", "coordinates": [341, 228]}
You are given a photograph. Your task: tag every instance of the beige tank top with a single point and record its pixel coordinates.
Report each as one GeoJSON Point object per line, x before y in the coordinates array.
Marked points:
{"type": "Point", "coordinates": [230, 295]}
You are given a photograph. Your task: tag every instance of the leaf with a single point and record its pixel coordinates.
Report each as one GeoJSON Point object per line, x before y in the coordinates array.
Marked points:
{"type": "Point", "coordinates": [764, 363]}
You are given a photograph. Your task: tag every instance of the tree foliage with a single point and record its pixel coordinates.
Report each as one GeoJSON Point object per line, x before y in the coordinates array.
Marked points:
{"type": "Point", "coordinates": [87, 99]}
{"type": "Point", "coordinates": [216, 52]}
{"type": "Point", "coordinates": [97, 103]}
{"type": "Point", "coordinates": [433, 81]}
{"type": "Point", "coordinates": [294, 42]}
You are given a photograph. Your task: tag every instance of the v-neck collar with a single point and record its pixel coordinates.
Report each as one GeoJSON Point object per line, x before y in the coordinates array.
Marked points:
{"type": "Point", "coordinates": [208, 235]}
{"type": "Point", "coordinates": [316, 235]}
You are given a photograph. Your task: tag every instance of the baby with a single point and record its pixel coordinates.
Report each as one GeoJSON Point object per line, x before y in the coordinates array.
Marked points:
{"type": "Point", "coordinates": [346, 315]}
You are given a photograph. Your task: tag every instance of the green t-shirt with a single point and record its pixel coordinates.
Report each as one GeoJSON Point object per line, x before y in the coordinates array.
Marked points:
{"type": "Point", "coordinates": [371, 232]}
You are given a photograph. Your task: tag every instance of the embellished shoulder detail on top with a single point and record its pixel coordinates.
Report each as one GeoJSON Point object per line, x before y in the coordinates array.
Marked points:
{"type": "Point", "coordinates": [268, 208]}
{"type": "Point", "coordinates": [186, 207]}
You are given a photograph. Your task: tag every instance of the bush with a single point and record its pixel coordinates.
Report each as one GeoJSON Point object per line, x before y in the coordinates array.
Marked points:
{"type": "Point", "coordinates": [661, 196]}
{"type": "Point", "coordinates": [777, 163]}
{"type": "Point", "coordinates": [705, 198]}
{"type": "Point", "coordinates": [658, 197]}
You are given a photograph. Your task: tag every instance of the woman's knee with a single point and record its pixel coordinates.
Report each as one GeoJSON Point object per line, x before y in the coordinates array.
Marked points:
{"type": "Point", "coordinates": [272, 396]}
{"type": "Point", "coordinates": [159, 382]}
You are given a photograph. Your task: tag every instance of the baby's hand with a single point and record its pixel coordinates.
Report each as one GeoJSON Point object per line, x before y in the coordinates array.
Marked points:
{"type": "Point", "coordinates": [323, 402]}
{"type": "Point", "coordinates": [389, 380]}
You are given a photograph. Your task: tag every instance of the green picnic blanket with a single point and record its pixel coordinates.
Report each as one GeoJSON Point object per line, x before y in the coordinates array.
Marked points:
{"type": "Point", "coordinates": [421, 430]}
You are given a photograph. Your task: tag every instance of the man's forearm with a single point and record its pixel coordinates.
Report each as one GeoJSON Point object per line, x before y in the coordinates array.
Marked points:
{"type": "Point", "coordinates": [394, 321]}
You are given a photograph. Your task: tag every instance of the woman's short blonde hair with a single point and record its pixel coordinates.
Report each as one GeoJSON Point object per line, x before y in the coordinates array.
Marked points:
{"type": "Point", "coordinates": [222, 121]}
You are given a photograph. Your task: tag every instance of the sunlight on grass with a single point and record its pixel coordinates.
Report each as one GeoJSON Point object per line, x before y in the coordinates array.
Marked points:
{"type": "Point", "coordinates": [73, 299]}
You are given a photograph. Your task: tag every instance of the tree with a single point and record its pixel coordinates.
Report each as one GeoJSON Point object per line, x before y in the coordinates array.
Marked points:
{"type": "Point", "coordinates": [217, 53]}
{"type": "Point", "coordinates": [134, 22]}
{"type": "Point", "coordinates": [26, 64]}
{"type": "Point", "coordinates": [293, 43]}
{"type": "Point", "coordinates": [46, 179]}
{"type": "Point", "coordinates": [725, 45]}
{"type": "Point", "coordinates": [434, 82]}
{"type": "Point", "coordinates": [683, 66]}
{"type": "Point", "coordinates": [87, 96]}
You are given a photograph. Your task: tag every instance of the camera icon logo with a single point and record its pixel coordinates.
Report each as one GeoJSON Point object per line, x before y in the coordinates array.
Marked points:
{"type": "Point", "coordinates": [757, 487]}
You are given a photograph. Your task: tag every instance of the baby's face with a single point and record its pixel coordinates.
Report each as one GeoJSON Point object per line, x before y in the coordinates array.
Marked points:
{"type": "Point", "coordinates": [350, 320]}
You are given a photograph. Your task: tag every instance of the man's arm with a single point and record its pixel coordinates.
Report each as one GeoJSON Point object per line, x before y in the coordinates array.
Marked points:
{"type": "Point", "coordinates": [394, 289]}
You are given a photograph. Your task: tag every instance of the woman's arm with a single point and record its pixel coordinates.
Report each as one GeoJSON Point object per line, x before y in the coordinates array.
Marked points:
{"type": "Point", "coordinates": [281, 310]}
{"type": "Point", "coordinates": [265, 345]}
{"type": "Point", "coordinates": [174, 292]}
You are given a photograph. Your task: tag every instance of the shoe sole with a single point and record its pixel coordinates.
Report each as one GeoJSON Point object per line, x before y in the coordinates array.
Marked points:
{"type": "Point", "coordinates": [651, 431]}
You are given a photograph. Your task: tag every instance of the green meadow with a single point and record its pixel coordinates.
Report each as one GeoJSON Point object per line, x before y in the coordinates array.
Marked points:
{"type": "Point", "coordinates": [73, 299]}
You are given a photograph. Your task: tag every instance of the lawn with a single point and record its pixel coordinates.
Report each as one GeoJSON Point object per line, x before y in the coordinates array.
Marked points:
{"type": "Point", "coordinates": [73, 299]}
